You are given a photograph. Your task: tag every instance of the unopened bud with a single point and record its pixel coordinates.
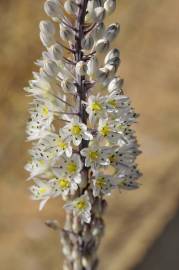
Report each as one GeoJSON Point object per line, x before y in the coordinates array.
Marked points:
{"type": "Point", "coordinates": [56, 52]}
{"type": "Point", "coordinates": [115, 84]}
{"type": "Point", "coordinates": [52, 8]}
{"type": "Point", "coordinates": [81, 68]}
{"type": "Point", "coordinates": [92, 66]}
{"type": "Point", "coordinates": [103, 74]}
{"type": "Point", "coordinates": [111, 56]}
{"type": "Point", "coordinates": [99, 14]}
{"type": "Point", "coordinates": [99, 31]}
{"type": "Point", "coordinates": [47, 27]}
{"type": "Point", "coordinates": [102, 45]}
{"type": "Point", "coordinates": [77, 265]}
{"type": "Point", "coordinates": [112, 31]}
{"type": "Point", "coordinates": [66, 33]}
{"type": "Point", "coordinates": [70, 7]}
{"type": "Point", "coordinates": [68, 86]}
{"type": "Point", "coordinates": [87, 42]}
{"type": "Point", "coordinates": [47, 40]}
{"type": "Point", "coordinates": [53, 224]}
{"type": "Point", "coordinates": [110, 6]}
{"type": "Point", "coordinates": [51, 68]}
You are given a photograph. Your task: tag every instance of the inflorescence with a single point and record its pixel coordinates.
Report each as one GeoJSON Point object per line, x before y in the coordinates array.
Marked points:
{"type": "Point", "coordinates": [80, 119]}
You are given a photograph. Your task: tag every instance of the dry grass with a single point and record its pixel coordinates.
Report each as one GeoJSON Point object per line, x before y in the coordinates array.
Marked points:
{"type": "Point", "coordinates": [149, 47]}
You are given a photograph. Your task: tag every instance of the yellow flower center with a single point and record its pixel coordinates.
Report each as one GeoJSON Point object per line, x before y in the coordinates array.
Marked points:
{"type": "Point", "coordinates": [105, 130]}
{"type": "Point", "coordinates": [42, 190]}
{"type": "Point", "coordinates": [121, 127]}
{"type": "Point", "coordinates": [71, 167]}
{"type": "Point", "coordinates": [42, 162]}
{"type": "Point", "coordinates": [94, 155]}
{"type": "Point", "coordinates": [64, 183]}
{"type": "Point", "coordinates": [81, 205]}
{"type": "Point", "coordinates": [61, 144]}
{"type": "Point", "coordinates": [96, 106]}
{"type": "Point", "coordinates": [45, 111]}
{"type": "Point", "coordinates": [100, 182]}
{"type": "Point", "coordinates": [112, 158]}
{"type": "Point", "coordinates": [112, 102]}
{"type": "Point", "coordinates": [76, 130]}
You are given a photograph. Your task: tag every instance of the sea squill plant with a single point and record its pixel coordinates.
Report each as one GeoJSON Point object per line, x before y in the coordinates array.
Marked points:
{"type": "Point", "coordinates": [80, 123]}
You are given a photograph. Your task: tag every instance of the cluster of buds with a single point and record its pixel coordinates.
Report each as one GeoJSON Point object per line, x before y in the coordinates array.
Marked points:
{"type": "Point", "coordinates": [80, 122]}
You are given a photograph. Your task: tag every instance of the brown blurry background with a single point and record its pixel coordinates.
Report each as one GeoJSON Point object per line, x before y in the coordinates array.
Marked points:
{"type": "Point", "coordinates": [142, 226]}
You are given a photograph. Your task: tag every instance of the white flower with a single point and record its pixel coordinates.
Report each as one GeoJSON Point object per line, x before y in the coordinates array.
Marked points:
{"type": "Point", "coordinates": [94, 156]}
{"type": "Point", "coordinates": [109, 130]}
{"type": "Point", "coordinates": [80, 207]}
{"type": "Point", "coordinates": [76, 131]}
{"type": "Point", "coordinates": [41, 191]}
{"type": "Point", "coordinates": [37, 167]}
{"type": "Point", "coordinates": [40, 121]}
{"type": "Point", "coordinates": [128, 180]}
{"type": "Point", "coordinates": [102, 184]}
{"type": "Point", "coordinates": [95, 108]}
{"type": "Point", "coordinates": [63, 186]}
{"type": "Point", "coordinates": [122, 158]}
{"type": "Point", "coordinates": [56, 145]}
{"type": "Point", "coordinates": [69, 167]}
{"type": "Point", "coordinates": [115, 102]}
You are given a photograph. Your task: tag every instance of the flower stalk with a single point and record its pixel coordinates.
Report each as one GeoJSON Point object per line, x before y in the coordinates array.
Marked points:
{"type": "Point", "coordinates": [80, 123]}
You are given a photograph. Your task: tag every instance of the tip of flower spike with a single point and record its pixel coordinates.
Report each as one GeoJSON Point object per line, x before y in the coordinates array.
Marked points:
{"type": "Point", "coordinates": [53, 224]}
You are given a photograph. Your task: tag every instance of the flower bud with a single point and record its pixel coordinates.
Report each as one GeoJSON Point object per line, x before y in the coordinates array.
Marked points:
{"type": "Point", "coordinates": [102, 45]}
{"type": "Point", "coordinates": [47, 27]}
{"type": "Point", "coordinates": [92, 66]}
{"type": "Point", "coordinates": [68, 86]}
{"type": "Point", "coordinates": [87, 262]}
{"type": "Point", "coordinates": [77, 265]}
{"type": "Point", "coordinates": [81, 68]}
{"type": "Point", "coordinates": [115, 84]}
{"type": "Point", "coordinates": [99, 14]}
{"type": "Point", "coordinates": [87, 42]}
{"type": "Point", "coordinates": [76, 225]}
{"type": "Point", "coordinates": [52, 8]}
{"type": "Point", "coordinates": [53, 224]}
{"type": "Point", "coordinates": [66, 33]}
{"type": "Point", "coordinates": [46, 39]}
{"type": "Point", "coordinates": [98, 32]}
{"type": "Point", "coordinates": [91, 6]}
{"type": "Point", "coordinates": [112, 31]}
{"type": "Point", "coordinates": [110, 6]}
{"type": "Point", "coordinates": [112, 57]}
{"type": "Point", "coordinates": [70, 7]}
{"type": "Point", "coordinates": [56, 52]}
{"type": "Point", "coordinates": [111, 68]}
{"type": "Point", "coordinates": [51, 68]}
{"type": "Point", "coordinates": [103, 74]}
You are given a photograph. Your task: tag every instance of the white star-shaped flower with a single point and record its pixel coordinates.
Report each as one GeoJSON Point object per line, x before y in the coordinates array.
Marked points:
{"type": "Point", "coordinates": [94, 156]}
{"type": "Point", "coordinates": [63, 186]}
{"type": "Point", "coordinates": [102, 184]}
{"type": "Point", "coordinates": [80, 207]}
{"type": "Point", "coordinates": [41, 191]}
{"type": "Point", "coordinates": [77, 131]}
{"type": "Point", "coordinates": [56, 145]}
{"type": "Point", "coordinates": [69, 167]}
{"type": "Point", "coordinates": [95, 108]}
{"type": "Point", "coordinates": [37, 167]}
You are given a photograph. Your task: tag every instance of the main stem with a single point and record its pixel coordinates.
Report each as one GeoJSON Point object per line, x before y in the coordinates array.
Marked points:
{"type": "Point", "coordinates": [80, 242]}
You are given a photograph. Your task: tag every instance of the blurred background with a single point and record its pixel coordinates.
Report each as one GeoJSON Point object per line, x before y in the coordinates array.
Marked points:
{"type": "Point", "coordinates": [142, 226]}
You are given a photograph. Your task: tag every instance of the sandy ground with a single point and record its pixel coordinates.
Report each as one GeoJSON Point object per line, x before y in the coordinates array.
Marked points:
{"type": "Point", "coordinates": [150, 60]}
